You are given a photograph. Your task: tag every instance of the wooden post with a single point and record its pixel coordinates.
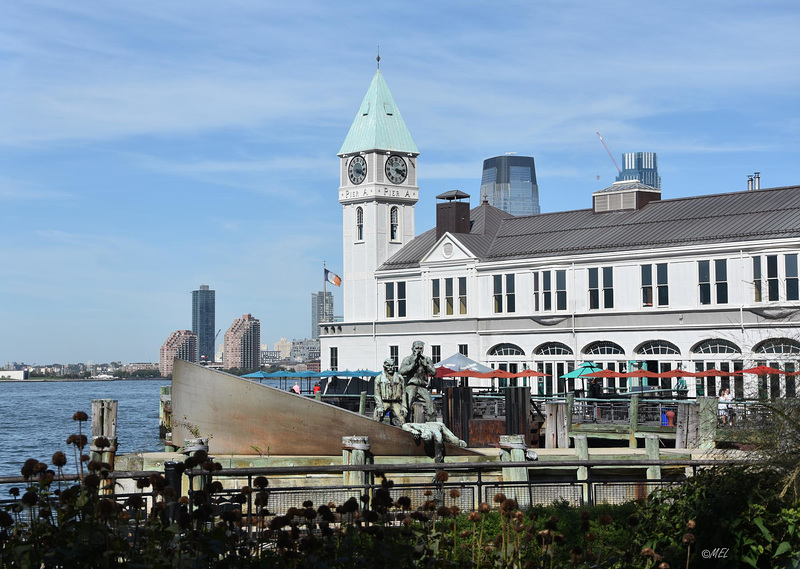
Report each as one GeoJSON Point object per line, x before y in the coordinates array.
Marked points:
{"type": "Point", "coordinates": [355, 451]}
{"type": "Point", "coordinates": [556, 425]}
{"type": "Point", "coordinates": [104, 424]}
{"type": "Point", "coordinates": [582, 453]}
{"type": "Point", "coordinates": [518, 412]}
{"type": "Point", "coordinates": [633, 415]}
{"type": "Point", "coordinates": [682, 425]}
{"type": "Point", "coordinates": [457, 408]}
{"type": "Point", "coordinates": [512, 449]}
{"type": "Point", "coordinates": [651, 443]}
{"type": "Point", "coordinates": [362, 403]}
{"type": "Point", "coordinates": [707, 421]}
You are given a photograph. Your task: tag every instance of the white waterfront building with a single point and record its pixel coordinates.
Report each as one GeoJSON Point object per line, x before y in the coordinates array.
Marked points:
{"type": "Point", "coordinates": [632, 281]}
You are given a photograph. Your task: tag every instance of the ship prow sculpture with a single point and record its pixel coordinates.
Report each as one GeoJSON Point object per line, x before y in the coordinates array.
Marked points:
{"type": "Point", "coordinates": [240, 415]}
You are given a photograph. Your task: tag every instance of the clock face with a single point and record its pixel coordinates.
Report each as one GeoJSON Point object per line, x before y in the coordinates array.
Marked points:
{"type": "Point", "coordinates": [396, 169]}
{"type": "Point", "coordinates": [357, 170]}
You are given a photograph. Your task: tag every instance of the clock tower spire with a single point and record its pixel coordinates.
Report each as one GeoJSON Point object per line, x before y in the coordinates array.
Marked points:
{"type": "Point", "coordinates": [378, 190]}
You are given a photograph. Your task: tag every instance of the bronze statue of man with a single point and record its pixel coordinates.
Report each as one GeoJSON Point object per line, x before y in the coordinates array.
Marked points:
{"type": "Point", "coordinates": [389, 394]}
{"type": "Point", "coordinates": [418, 370]}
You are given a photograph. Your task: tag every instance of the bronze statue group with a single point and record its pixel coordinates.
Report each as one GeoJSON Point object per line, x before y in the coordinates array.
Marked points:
{"type": "Point", "coordinates": [396, 391]}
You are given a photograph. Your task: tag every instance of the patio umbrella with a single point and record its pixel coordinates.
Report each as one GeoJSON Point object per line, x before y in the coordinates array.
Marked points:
{"type": "Point", "coordinates": [605, 373]}
{"type": "Point", "coordinates": [499, 373]}
{"type": "Point", "coordinates": [716, 373]}
{"type": "Point", "coordinates": [534, 373]}
{"type": "Point", "coordinates": [444, 372]}
{"type": "Point", "coordinates": [582, 370]}
{"type": "Point", "coordinates": [676, 373]}
{"type": "Point", "coordinates": [762, 370]}
{"type": "Point", "coordinates": [640, 373]}
{"type": "Point", "coordinates": [258, 375]}
{"type": "Point", "coordinates": [460, 362]}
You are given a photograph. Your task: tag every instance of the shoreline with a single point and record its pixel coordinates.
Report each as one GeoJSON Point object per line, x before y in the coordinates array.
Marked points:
{"type": "Point", "coordinates": [78, 379]}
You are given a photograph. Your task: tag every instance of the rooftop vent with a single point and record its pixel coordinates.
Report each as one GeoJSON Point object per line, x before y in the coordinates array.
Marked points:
{"type": "Point", "coordinates": [624, 195]}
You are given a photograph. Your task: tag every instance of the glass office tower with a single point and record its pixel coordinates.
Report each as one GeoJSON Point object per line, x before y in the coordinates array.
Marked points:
{"type": "Point", "coordinates": [203, 321]}
{"type": "Point", "coordinates": [509, 183]}
{"type": "Point", "coordinates": [642, 166]}
{"type": "Point", "coordinates": [321, 311]}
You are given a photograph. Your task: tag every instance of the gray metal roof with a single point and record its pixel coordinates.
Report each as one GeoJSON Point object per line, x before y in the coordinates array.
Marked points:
{"type": "Point", "coordinates": [627, 185]}
{"type": "Point", "coordinates": [718, 218]}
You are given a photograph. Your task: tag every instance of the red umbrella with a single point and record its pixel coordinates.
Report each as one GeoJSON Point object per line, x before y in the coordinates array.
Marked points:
{"type": "Point", "coordinates": [444, 372]}
{"type": "Point", "coordinates": [640, 373]}
{"type": "Point", "coordinates": [715, 373]}
{"type": "Point", "coordinates": [762, 370]}
{"type": "Point", "coordinates": [676, 373]}
{"type": "Point", "coordinates": [496, 373]}
{"type": "Point", "coordinates": [605, 373]}
{"type": "Point", "coordinates": [534, 373]}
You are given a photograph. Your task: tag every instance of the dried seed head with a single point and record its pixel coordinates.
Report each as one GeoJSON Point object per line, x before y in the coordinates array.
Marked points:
{"type": "Point", "coordinates": [59, 459]}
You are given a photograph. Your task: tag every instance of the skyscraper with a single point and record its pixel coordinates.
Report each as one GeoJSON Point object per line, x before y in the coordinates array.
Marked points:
{"type": "Point", "coordinates": [509, 183]}
{"type": "Point", "coordinates": [642, 166]}
{"type": "Point", "coordinates": [321, 311]}
{"type": "Point", "coordinates": [181, 344]}
{"type": "Point", "coordinates": [243, 343]}
{"type": "Point", "coordinates": [203, 321]}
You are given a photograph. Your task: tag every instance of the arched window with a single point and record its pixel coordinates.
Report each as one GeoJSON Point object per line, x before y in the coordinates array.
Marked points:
{"type": "Point", "coordinates": [658, 347]}
{"type": "Point", "coordinates": [506, 350]}
{"type": "Point", "coordinates": [778, 346]}
{"type": "Point", "coordinates": [359, 224]}
{"type": "Point", "coordinates": [394, 223]}
{"type": "Point", "coordinates": [604, 348]}
{"type": "Point", "coordinates": [553, 349]}
{"type": "Point", "coordinates": [716, 346]}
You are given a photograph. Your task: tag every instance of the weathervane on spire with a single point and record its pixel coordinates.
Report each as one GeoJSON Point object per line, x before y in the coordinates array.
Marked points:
{"type": "Point", "coordinates": [378, 59]}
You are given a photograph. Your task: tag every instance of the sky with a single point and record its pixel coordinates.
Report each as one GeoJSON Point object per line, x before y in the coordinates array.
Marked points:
{"type": "Point", "coordinates": [148, 147]}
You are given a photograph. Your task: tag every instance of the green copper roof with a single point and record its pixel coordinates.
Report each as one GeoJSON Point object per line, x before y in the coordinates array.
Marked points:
{"type": "Point", "coordinates": [378, 123]}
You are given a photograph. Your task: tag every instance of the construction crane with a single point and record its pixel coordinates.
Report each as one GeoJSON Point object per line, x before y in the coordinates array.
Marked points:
{"type": "Point", "coordinates": [609, 153]}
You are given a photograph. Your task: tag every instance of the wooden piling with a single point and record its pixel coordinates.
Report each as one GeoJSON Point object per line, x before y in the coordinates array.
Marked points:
{"type": "Point", "coordinates": [582, 453]}
{"type": "Point", "coordinates": [633, 415]}
{"type": "Point", "coordinates": [104, 424]}
{"type": "Point", "coordinates": [362, 403]}
{"type": "Point", "coordinates": [355, 451]}
{"type": "Point", "coordinates": [512, 449]}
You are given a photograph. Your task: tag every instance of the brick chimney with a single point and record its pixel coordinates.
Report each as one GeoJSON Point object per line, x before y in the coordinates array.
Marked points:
{"type": "Point", "coordinates": [452, 215]}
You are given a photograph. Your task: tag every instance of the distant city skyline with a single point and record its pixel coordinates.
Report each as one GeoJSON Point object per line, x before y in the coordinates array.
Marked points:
{"type": "Point", "coordinates": [150, 147]}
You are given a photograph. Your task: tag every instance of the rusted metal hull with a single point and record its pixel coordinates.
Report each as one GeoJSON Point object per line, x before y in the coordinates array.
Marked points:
{"type": "Point", "coordinates": [243, 417]}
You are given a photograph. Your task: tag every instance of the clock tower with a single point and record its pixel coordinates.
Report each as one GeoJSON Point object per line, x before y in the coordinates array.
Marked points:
{"type": "Point", "coordinates": [378, 190]}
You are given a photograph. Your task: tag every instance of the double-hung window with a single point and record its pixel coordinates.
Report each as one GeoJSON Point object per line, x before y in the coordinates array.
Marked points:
{"type": "Point", "coordinates": [504, 295]}
{"type": "Point", "coordinates": [601, 286]}
{"type": "Point", "coordinates": [712, 278]}
{"type": "Point", "coordinates": [767, 287]}
{"type": "Point", "coordinates": [396, 300]}
{"type": "Point", "coordinates": [661, 282]}
{"type": "Point", "coordinates": [455, 300]}
{"type": "Point", "coordinates": [550, 290]}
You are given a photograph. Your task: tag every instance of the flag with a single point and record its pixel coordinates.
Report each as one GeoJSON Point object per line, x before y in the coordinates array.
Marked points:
{"type": "Point", "coordinates": [333, 278]}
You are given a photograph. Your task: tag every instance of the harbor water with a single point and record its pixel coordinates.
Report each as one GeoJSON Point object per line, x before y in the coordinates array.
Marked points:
{"type": "Point", "coordinates": [36, 418]}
